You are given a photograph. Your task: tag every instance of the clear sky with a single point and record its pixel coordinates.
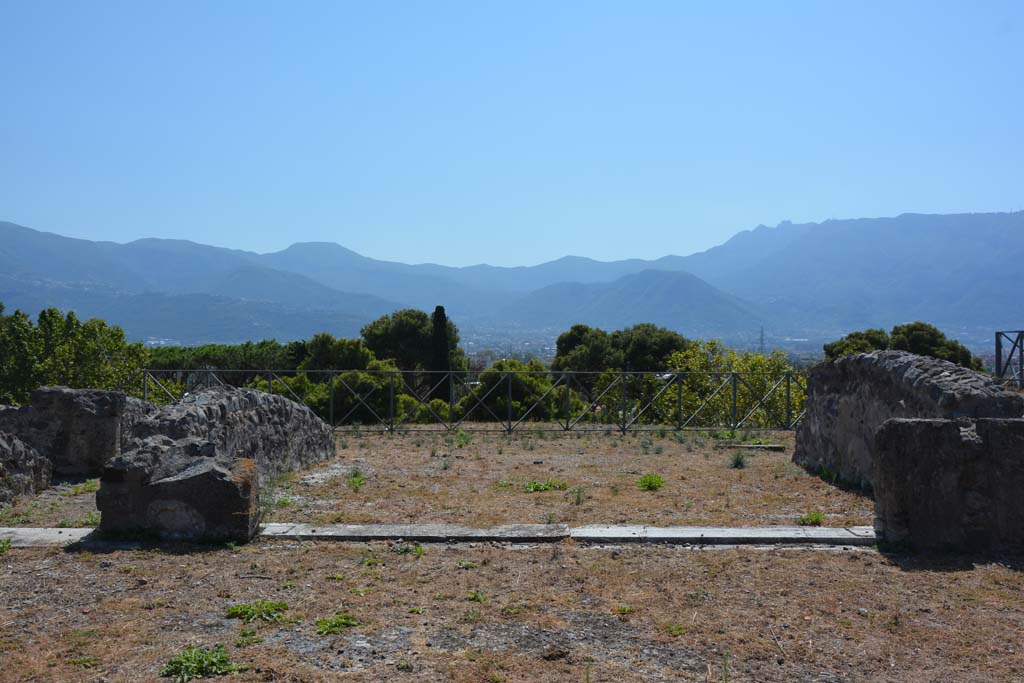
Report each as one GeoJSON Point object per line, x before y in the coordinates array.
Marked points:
{"type": "Point", "coordinates": [509, 133]}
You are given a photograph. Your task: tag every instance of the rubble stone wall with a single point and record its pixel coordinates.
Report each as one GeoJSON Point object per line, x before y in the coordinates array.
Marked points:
{"type": "Point", "coordinates": [850, 398]}
{"type": "Point", "coordinates": [950, 485]}
{"type": "Point", "coordinates": [193, 470]}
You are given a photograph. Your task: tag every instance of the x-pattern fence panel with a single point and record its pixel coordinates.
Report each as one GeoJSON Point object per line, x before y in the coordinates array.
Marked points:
{"type": "Point", "coordinates": [1010, 357]}
{"type": "Point", "coordinates": [504, 401]}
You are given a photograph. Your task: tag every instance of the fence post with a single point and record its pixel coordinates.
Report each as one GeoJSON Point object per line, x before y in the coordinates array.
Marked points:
{"type": "Point", "coordinates": [391, 402]}
{"type": "Point", "coordinates": [451, 399]}
{"type": "Point", "coordinates": [623, 410]}
{"type": "Point", "coordinates": [330, 400]}
{"type": "Point", "coordinates": [679, 401]}
{"type": "Point", "coordinates": [508, 407]}
{"type": "Point", "coordinates": [789, 404]}
{"type": "Point", "coordinates": [735, 379]}
{"type": "Point", "coordinates": [568, 409]}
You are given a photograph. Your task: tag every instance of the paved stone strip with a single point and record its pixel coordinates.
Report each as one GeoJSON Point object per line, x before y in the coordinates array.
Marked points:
{"type": "Point", "coordinates": [27, 537]}
{"type": "Point", "coordinates": [24, 537]}
{"type": "Point", "coordinates": [419, 533]}
{"type": "Point", "coordinates": [695, 535]}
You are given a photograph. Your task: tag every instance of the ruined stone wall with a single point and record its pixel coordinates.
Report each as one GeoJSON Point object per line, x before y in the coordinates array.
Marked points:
{"type": "Point", "coordinates": [23, 471]}
{"type": "Point", "coordinates": [950, 485]}
{"type": "Point", "coordinates": [193, 470]}
{"type": "Point", "coordinates": [850, 398]}
{"type": "Point", "coordinates": [77, 430]}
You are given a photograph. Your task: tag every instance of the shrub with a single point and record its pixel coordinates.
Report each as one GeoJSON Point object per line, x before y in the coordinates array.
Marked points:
{"type": "Point", "coordinates": [336, 624]}
{"type": "Point", "coordinates": [356, 479]}
{"type": "Point", "coordinates": [198, 662]}
{"type": "Point", "coordinates": [262, 610]}
{"type": "Point", "coordinates": [812, 519]}
{"type": "Point", "coordinates": [549, 485]}
{"type": "Point", "coordinates": [651, 482]}
{"type": "Point", "coordinates": [739, 460]}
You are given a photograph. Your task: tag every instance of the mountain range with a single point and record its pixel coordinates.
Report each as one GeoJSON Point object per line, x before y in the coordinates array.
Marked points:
{"type": "Point", "coordinates": [814, 281]}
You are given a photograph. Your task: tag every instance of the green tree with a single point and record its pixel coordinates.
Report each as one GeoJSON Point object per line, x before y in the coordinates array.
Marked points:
{"type": "Point", "coordinates": [327, 352]}
{"type": "Point", "coordinates": [440, 352]}
{"type": "Point", "coordinates": [62, 350]}
{"type": "Point", "coordinates": [646, 347]}
{"type": "Point", "coordinates": [406, 337]}
{"type": "Point", "coordinates": [916, 337]}
{"type": "Point", "coordinates": [857, 342]}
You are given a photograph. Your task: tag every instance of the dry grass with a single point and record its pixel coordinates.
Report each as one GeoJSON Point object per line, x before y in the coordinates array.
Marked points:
{"type": "Point", "coordinates": [546, 613]}
{"type": "Point", "coordinates": [431, 478]}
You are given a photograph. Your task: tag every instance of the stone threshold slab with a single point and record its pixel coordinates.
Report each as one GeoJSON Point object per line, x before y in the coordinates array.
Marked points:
{"type": "Point", "coordinates": [694, 535]}
{"type": "Point", "coordinates": [25, 537]}
{"type": "Point", "coordinates": [420, 533]}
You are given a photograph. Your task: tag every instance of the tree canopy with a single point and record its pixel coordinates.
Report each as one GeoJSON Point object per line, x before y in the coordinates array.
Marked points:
{"type": "Point", "coordinates": [916, 337]}
{"type": "Point", "coordinates": [407, 337]}
{"type": "Point", "coordinates": [61, 349]}
{"type": "Point", "coordinates": [643, 347]}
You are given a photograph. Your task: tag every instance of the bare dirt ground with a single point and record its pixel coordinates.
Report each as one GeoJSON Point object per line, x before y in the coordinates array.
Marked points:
{"type": "Point", "coordinates": [489, 613]}
{"type": "Point", "coordinates": [480, 479]}
{"type": "Point", "coordinates": [483, 480]}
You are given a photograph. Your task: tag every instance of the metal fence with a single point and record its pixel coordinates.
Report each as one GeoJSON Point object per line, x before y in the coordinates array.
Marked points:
{"type": "Point", "coordinates": [506, 401]}
{"type": "Point", "coordinates": [1010, 361]}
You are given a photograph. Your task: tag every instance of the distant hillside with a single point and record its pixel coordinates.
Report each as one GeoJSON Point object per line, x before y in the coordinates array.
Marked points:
{"type": "Point", "coordinates": [675, 300]}
{"type": "Point", "coordinates": [814, 280]}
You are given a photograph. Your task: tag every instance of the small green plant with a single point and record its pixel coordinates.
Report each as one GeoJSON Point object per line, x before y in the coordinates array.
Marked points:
{"type": "Point", "coordinates": [5, 545]}
{"type": "Point", "coordinates": [578, 495]}
{"type": "Point", "coordinates": [462, 438]}
{"type": "Point", "coordinates": [247, 637]}
{"type": "Point", "coordinates": [476, 596]}
{"type": "Point", "coordinates": [651, 482]}
{"type": "Point", "coordinates": [198, 662]}
{"type": "Point", "coordinates": [87, 486]}
{"type": "Point", "coordinates": [336, 624]}
{"type": "Point", "coordinates": [261, 610]}
{"type": "Point", "coordinates": [623, 612]}
{"type": "Point", "coordinates": [415, 610]}
{"type": "Point", "coordinates": [360, 591]}
{"type": "Point", "coordinates": [466, 564]}
{"type": "Point", "coordinates": [84, 662]}
{"type": "Point", "coordinates": [811, 519]}
{"type": "Point", "coordinates": [336, 577]}
{"type": "Point", "coordinates": [550, 518]}
{"type": "Point", "coordinates": [549, 485]}
{"type": "Point", "coordinates": [404, 666]}
{"type": "Point", "coordinates": [739, 460]}
{"type": "Point", "coordinates": [504, 484]}
{"type": "Point", "coordinates": [356, 480]}
{"type": "Point", "coordinates": [675, 630]}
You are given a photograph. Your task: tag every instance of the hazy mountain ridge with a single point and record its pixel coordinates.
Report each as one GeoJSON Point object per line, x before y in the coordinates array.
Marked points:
{"type": "Point", "coordinates": [812, 279]}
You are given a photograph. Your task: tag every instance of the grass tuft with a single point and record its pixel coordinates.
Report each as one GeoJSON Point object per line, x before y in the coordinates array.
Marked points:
{"type": "Point", "coordinates": [651, 482]}
{"type": "Point", "coordinates": [261, 610]}
{"type": "Point", "coordinates": [198, 662]}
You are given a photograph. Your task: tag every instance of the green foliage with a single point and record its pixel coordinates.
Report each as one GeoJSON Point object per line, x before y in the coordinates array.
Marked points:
{"type": "Point", "coordinates": [198, 662]}
{"type": "Point", "coordinates": [916, 337]}
{"type": "Point", "coordinates": [651, 482]}
{"type": "Point", "coordinates": [261, 610]}
{"type": "Point", "coordinates": [549, 485]}
{"type": "Point", "coordinates": [407, 336]}
{"type": "Point", "coordinates": [644, 347]}
{"type": "Point", "coordinates": [87, 486]}
{"type": "Point", "coordinates": [62, 350]}
{"type": "Point", "coordinates": [5, 545]}
{"type": "Point", "coordinates": [811, 519]}
{"type": "Point", "coordinates": [738, 461]}
{"type": "Point", "coordinates": [336, 624]}
{"type": "Point", "coordinates": [531, 384]}
{"type": "Point", "coordinates": [857, 342]}
{"type": "Point", "coordinates": [356, 479]}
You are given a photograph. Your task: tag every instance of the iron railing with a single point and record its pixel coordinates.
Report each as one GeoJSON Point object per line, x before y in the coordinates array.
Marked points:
{"type": "Point", "coordinates": [505, 401]}
{"type": "Point", "coordinates": [1010, 363]}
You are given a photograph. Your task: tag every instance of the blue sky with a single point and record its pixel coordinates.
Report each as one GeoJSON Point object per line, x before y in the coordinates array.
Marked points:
{"type": "Point", "coordinates": [509, 133]}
